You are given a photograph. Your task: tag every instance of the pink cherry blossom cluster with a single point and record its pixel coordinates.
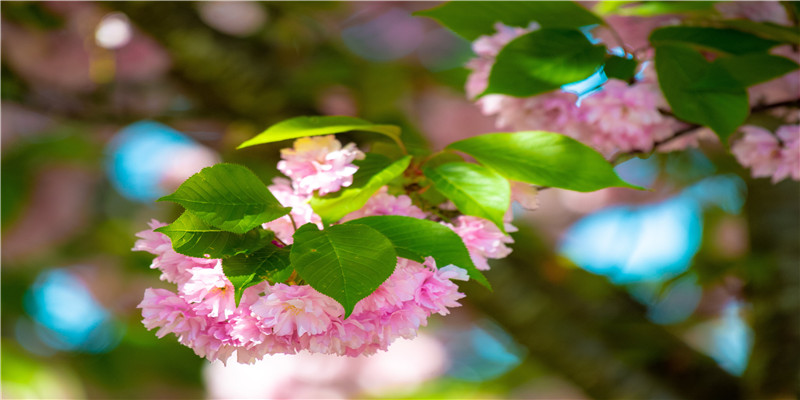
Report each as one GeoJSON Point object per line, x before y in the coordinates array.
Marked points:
{"type": "Point", "coordinates": [768, 154]}
{"type": "Point", "coordinates": [281, 318]}
{"type": "Point", "coordinates": [319, 163]}
{"type": "Point", "coordinates": [620, 116]}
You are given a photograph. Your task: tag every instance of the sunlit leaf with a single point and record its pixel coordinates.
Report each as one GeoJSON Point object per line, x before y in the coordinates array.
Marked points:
{"type": "Point", "coordinates": [474, 190]}
{"type": "Point", "coordinates": [543, 158]}
{"type": "Point", "coordinates": [654, 8]}
{"type": "Point", "coordinates": [315, 126]}
{"type": "Point", "coordinates": [229, 197]}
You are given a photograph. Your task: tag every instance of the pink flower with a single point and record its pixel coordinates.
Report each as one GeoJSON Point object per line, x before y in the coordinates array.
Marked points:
{"type": "Point", "coordinates": [525, 194]}
{"type": "Point", "coordinates": [253, 341]}
{"type": "Point", "coordinates": [438, 292]}
{"type": "Point", "coordinates": [173, 266]}
{"type": "Point", "coordinates": [352, 337]}
{"type": "Point", "coordinates": [214, 343]}
{"type": "Point", "coordinates": [382, 203]}
{"type": "Point", "coordinates": [169, 313]}
{"type": "Point", "coordinates": [789, 165]}
{"type": "Point", "coordinates": [319, 163]}
{"type": "Point", "coordinates": [209, 292]}
{"type": "Point", "coordinates": [402, 323]}
{"type": "Point", "coordinates": [301, 211]}
{"type": "Point", "coordinates": [296, 310]}
{"type": "Point", "coordinates": [482, 238]}
{"type": "Point", "coordinates": [625, 118]}
{"type": "Point", "coordinates": [758, 149]}
{"type": "Point", "coordinates": [760, 11]}
{"type": "Point", "coordinates": [400, 287]}
{"type": "Point", "coordinates": [554, 111]}
{"type": "Point", "coordinates": [273, 319]}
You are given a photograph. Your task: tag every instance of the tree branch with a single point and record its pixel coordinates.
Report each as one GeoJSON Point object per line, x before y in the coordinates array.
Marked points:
{"type": "Point", "coordinates": [591, 332]}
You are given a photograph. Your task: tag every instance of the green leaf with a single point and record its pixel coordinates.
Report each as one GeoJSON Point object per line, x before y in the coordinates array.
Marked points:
{"type": "Point", "coordinates": [315, 126]}
{"type": "Point", "coordinates": [543, 158]}
{"type": "Point", "coordinates": [443, 157]}
{"type": "Point", "coordinates": [344, 262]}
{"type": "Point", "coordinates": [367, 168]}
{"type": "Point", "coordinates": [653, 8]}
{"type": "Point", "coordinates": [767, 30]}
{"type": "Point", "coordinates": [245, 270]}
{"type": "Point", "coordinates": [475, 190]}
{"type": "Point", "coordinates": [229, 197]}
{"type": "Point", "coordinates": [725, 40]}
{"type": "Point", "coordinates": [471, 19]}
{"type": "Point", "coordinates": [746, 70]}
{"type": "Point", "coordinates": [542, 61]}
{"type": "Point", "coordinates": [333, 208]}
{"type": "Point", "coordinates": [193, 237]}
{"type": "Point", "coordinates": [620, 68]}
{"type": "Point", "coordinates": [722, 107]}
{"type": "Point", "coordinates": [415, 239]}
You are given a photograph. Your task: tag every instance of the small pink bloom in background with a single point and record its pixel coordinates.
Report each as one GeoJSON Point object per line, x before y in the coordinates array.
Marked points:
{"type": "Point", "coordinates": [770, 155]}
{"type": "Point", "coordinates": [337, 100]}
{"type": "Point", "coordinates": [789, 153]}
{"type": "Point", "coordinates": [625, 117]}
{"type": "Point", "coordinates": [759, 11]}
{"type": "Point", "coordinates": [233, 17]}
{"type": "Point", "coordinates": [482, 238]}
{"type": "Point", "coordinates": [319, 163]}
{"type": "Point", "coordinates": [617, 118]}
{"type": "Point", "coordinates": [759, 150]}
{"type": "Point", "coordinates": [185, 162]}
{"type": "Point", "coordinates": [554, 111]}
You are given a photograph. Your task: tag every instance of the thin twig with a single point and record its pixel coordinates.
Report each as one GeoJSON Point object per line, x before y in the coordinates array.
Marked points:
{"type": "Point", "coordinates": [766, 107]}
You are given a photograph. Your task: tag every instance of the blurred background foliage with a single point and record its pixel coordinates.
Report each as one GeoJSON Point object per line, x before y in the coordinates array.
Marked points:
{"type": "Point", "coordinates": [689, 290]}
